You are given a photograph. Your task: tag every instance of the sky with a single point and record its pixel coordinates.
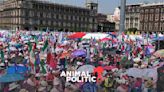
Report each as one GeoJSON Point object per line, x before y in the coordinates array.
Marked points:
{"type": "Point", "coordinates": [105, 6]}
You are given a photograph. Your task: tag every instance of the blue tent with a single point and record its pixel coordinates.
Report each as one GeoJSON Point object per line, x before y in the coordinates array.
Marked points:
{"type": "Point", "coordinates": [11, 78]}
{"type": "Point", "coordinates": [16, 69]}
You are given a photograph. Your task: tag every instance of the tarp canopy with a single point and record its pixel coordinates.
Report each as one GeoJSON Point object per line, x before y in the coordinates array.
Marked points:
{"type": "Point", "coordinates": [11, 78]}
{"type": "Point", "coordinates": [77, 35]}
{"type": "Point", "coordinates": [96, 36]}
{"type": "Point", "coordinates": [16, 69]}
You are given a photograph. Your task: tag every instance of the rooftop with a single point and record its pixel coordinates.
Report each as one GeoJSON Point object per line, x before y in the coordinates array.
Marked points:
{"type": "Point", "coordinates": [53, 3]}
{"type": "Point", "coordinates": [153, 4]}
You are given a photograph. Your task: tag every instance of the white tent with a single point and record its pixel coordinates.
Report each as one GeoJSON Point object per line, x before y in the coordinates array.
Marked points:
{"type": "Point", "coordinates": [95, 36]}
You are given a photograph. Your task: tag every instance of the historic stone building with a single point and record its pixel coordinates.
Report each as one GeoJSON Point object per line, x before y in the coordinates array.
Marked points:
{"type": "Point", "coordinates": [104, 24]}
{"type": "Point", "coordinates": [40, 15]}
{"type": "Point", "coordinates": [152, 17]}
{"type": "Point", "coordinates": [132, 17]}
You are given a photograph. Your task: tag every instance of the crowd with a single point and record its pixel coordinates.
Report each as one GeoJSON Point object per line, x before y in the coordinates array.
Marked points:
{"type": "Point", "coordinates": [127, 65]}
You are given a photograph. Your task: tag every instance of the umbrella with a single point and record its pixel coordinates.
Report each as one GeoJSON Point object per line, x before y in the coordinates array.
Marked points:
{"type": "Point", "coordinates": [135, 72]}
{"type": "Point", "coordinates": [158, 38]}
{"type": "Point", "coordinates": [77, 35]}
{"type": "Point", "coordinates": [105, 39]}
{"type": "Point", "coordinates": [95, 36]}
{"type": "Point", "coordinates": [65, 54]}
{"type": "Point", "coordinates": [18, 45]}
{"type": "Point", "coordinates": [16, 69]}
{"type": "Point", "coordinates": [79, 53]}
{"type": "Point", "coordinates": [11, 78]}
{"type": "Point", "coordinates": [159, 53]}
{"type": "Point", "coordinates": [109, 67]}
{"type": "Point", "coordinates": [18, 59]}
{"type": "Point", "coordinates": [84, 68]}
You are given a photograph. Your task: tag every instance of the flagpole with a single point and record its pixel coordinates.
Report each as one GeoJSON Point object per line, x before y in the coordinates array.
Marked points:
{"type": "Point", "coordinates": [158, 42]}
{"type": "Point", "coordinates": [122, 17]}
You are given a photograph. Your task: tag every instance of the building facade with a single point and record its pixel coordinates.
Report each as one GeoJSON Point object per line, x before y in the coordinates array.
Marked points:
{"type": "Point", "coordinates": [132, 16]}
{"type": "Point", "coordinates": [152, 17]}
{"type": "Point", "coordinates": [103, 24]}
{"type": "Point", "coordinates": [40, 15]}
{"type": "Point", "coordinates": [116, 17]}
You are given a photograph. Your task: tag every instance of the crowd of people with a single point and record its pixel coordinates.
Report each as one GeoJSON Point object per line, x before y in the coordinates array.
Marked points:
{"type": "Point", "coordinates": [45, 55]}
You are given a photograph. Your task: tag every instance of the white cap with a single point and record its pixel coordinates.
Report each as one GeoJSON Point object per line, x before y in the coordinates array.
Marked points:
{"type": "Point", "coordinates": [5, 56]}
{"type": "Point", "coordinates": [6, 61]}
{"type": "Point", "coordinates": [135, 65]}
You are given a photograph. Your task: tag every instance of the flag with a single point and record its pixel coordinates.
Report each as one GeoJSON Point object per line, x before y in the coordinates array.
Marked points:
{"type": "Point", "coordinates": [36, 39]}
{"type": "Point", "coordinates": [156, 35]}
{"type": "Point", "coordinates": [43, 70]}
{"type": "Point", "coordinates": [95, 50]}
{"type": "Point", "coordinates": [50, 60]}
{"type": "Point", "coordinates": [2, 56]}
{"type": "Point", "coordinates": [37, 60]}
{"type": "Point", "coordinates": [104, 45]}
{"type": "Point", "coordinates": [29, 46]}
{"type": "Point", "coordinates": [60, 37]}
{"type": "Point", "coordinates": [45, 45]}
{"type": "Point", "coordinates": [8, 48]}
{"type": "Point", "coordinates": [32, 57]}
{"type": "Point", "coordinates": [123, 39]}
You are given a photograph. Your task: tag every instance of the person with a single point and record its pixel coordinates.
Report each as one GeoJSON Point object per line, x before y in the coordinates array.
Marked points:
{"type": "Point", "coordinates": [30, 84]}
{"type": "Point", "coordinates": [148, 85]}
{"type": "Point", "coordinates": [50, 77]}
{"type": "Point", "coordinates": [6, 88]}
{"type": "Point", "coordinates": [108, 83]}
{"type": "Point", "coordinates": [138, 85]}
{"type": "Point", "coordinates": [43, 85]}
{"type": "Point", "coordinates": [122, 88]}
{"type": "Point", "coordinates": [160, 80]}
{"type": "Point", "coordinates": [89, 87]}
{"type": "Point", "coordinates": [57, 86]}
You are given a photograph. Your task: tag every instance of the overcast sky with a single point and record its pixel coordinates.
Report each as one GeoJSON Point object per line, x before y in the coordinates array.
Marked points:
{"type": "Point", "coordinates": [105, 6]}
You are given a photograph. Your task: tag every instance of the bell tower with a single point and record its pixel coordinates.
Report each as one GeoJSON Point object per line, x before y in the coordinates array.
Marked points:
{"type": "Point", "coordinates": [92, 5]}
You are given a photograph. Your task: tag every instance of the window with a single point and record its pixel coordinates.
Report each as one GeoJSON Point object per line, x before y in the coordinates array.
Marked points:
{"type": "Point", "coordinates": [151, 17]}
{"type": "Point", "coordinates": [151, 10]}
{"type": "Point", "coordinates": [156, 17]}
{"type": "Point", "coordinates": [54, 23]}
{"type": "Point", "coordinates": [57, 16]}
{"type": "Point", "coordinates": [156, 26]}
{"type": "Point", "coordinates": [146, 11]}
{"type": "Point", "coordinates": [150, 26]}
{"type": "Point", "coordinates": [49, 23]}
{"type": "Point", "coordinates": [162, 27]}
{"type": "Point", "coordinates": [162, 16]}
{"type": "Point", "coordinates": [162, 10]}
{"type": "Point", "coordinates": [157, 10]}
{"type": "Point", "coordinates": [38, 14]}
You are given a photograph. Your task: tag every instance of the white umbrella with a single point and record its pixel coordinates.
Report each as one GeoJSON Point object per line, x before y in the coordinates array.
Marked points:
{"type": "Point", "coordinates": [86, 68]}
{"type": "Point", "coordinates": [12, 48]}
{"type": "Point", "coordinates": [95, 36]}
{"type": "Point", "coordinates": [135, 72]}
{"type": "Point", "coordinates": [12, 43]}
